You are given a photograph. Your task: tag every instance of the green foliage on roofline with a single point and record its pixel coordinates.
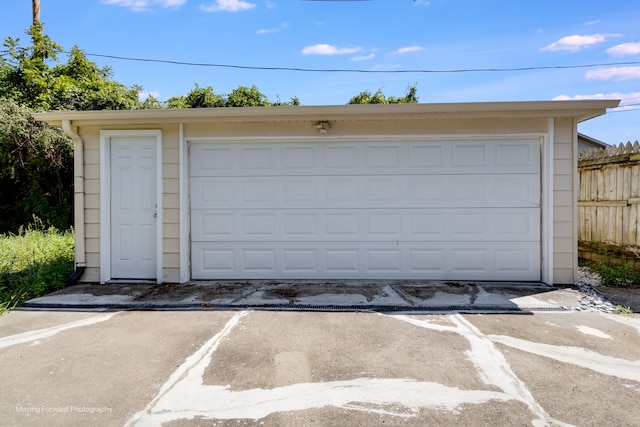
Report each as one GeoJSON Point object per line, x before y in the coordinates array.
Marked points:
{"type": "Point", "coordinates": [242, 96]}
{"type": "Point", "coordinates": [366, 97]}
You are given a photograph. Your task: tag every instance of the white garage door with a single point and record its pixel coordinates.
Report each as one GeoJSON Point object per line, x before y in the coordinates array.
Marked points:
{"type": "Point", "coordinates": [455, 210]}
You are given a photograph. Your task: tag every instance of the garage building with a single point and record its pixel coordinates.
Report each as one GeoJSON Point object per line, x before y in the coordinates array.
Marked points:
{"type": "Point", "coordinates": [466, 191]}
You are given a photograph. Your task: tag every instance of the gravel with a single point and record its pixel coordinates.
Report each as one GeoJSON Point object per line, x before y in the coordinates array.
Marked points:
{"type": "Point", "coordinates": [591, 299]}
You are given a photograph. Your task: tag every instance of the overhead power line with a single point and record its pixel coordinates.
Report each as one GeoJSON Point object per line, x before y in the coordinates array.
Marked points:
{"type": "Point", "coordinates": [353, 70]}
{"type": "Point", "coordinates": [623, 111]}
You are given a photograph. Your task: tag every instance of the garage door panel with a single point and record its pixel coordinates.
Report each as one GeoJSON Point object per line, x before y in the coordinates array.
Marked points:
{"type": "Point", "coordinates": [392, 225]}
{"type": "Point", "coordinates": [502, 261]}
{"type": "Point", "coordinates": [464, 156]}
{"type": "Point", "coordinates": [512, 156]}
{"type": "Point", "coordinates": [384, 155]}
{"type": "Point", "coordinates": [357, 157]}
{"type": "Point", "coordinates": [367, 192]}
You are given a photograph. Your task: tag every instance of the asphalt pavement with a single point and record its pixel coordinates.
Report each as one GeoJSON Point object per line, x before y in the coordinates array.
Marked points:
{"type": "Point", "coordinates": [539, 359]}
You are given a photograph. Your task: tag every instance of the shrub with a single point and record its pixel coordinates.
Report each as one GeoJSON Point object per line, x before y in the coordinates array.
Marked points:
{"type": "Point", "coordinates": [36, 261]}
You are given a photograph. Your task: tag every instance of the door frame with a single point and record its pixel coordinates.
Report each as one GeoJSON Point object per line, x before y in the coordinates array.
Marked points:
{"type": "Point", "coordinates": [105, 198]}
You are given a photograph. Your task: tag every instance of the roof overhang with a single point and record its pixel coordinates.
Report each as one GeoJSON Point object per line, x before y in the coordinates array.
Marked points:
{"type": "Point", "coordinates": [581, 110]}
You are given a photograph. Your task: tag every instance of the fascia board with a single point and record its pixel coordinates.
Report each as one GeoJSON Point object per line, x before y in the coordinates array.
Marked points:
{"type": "Point", "coordinates": [582, 110]}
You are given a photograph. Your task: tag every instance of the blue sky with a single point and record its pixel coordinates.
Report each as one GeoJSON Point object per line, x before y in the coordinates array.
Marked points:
{"type": "Point", "coordinates": [375, 35]}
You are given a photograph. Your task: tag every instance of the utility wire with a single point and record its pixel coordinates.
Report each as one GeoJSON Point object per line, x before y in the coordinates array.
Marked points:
{"type": "Point", "coordinates": [353, 70]}
{"type": "Point", "coordinates": [623, 109]}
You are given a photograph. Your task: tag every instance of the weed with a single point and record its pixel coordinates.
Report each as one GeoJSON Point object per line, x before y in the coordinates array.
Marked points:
{"type": "Point", "coordinates": [620, 309]}
{"type": "Point", "coordinates": [34, 262]}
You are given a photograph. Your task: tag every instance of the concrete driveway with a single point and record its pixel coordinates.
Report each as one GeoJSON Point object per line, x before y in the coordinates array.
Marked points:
{"type": "Point", "coordinates": [297, 368]}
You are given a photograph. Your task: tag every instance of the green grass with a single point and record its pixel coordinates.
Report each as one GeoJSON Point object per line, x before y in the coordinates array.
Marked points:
{"type": "Point", "coordinates": [36, 261]}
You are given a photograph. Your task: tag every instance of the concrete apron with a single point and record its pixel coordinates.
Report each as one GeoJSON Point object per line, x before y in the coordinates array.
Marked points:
{"type": "Point", "coordinates": [344, 295]}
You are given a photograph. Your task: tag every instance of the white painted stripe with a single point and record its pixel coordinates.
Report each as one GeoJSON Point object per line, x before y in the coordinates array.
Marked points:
{"type": "Point", "coordinates": [401, 398]}
{"type": "Point", "coordinates": [193, 362]}
{"type": "Point", "coordinates": [578, 356]}
{"type": "Point", "coordinates": [491, 365]}
{"type": "Point", "coordinates": [49, 332]}
{"type": "Point", "coordinates": [593, 332]}
{"type": "Point", "coordinates": [185, 396]}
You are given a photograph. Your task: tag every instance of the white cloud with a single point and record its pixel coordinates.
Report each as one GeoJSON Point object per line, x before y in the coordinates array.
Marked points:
{"type": "Point", "coordinates": [228, 6]}
{"type": "Point", "coordinates": [272, 30]}
{"type": "Point", "coordinates": [408, 49]}
{"type": "Point", "coordinates": [421, 2]}
{"type": "Point", "coordinates": [624, 49]}
{"type": "Point", "coordinates": [615, 73]}
{"type": "Point", "coordinates": [575, 43]}
{"type": "Point", "coordinates": [594, 22]}
{"type": "Point", "coordinates": [267, 30]}
{"type": "Point", "coordinates": [625, 98]}
{"type": "Point", "coordinates": [141, 5]}
{"type": "Point", "coordinates": [363, 57]}
{"type": "Point", "coordinates": [327, 49]}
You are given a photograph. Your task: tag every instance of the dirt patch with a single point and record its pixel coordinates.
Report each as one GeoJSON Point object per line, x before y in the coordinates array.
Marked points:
{"type": "Point", "coordinates": [199, 291]}
{"type": "Point", "coordinates": [622, 296]}
{"type": "Point", "coordinates": [297, 290]}
{"type": "Point", "coordinates": [428, 292]}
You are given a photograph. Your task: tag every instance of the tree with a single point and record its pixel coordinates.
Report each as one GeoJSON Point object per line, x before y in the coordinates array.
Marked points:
{"type": "Point", "coordinates": [367, 97]}
{"type": "Point", "coordinates": [32, 76]}
{"type": "Point", "coordinates": [151, 103]}
{"type": "Point", "coordinates": [243, 96]}
{"type": "Point", "coordinates": [36, 160]}
{"type": "Point", "coordinates": [203, 97]}
{"type": "Point", "coordinates": [36, 170]}
{"type": "Point", "coordinates": [198, 97]}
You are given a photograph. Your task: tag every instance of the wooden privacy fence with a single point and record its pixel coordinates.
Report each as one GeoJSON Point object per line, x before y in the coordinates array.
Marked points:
{"type": "Point", "coordinates": [609, 203]}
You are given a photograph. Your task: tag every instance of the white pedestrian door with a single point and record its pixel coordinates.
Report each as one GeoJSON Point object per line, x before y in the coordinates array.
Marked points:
{"type": "Point", "coordinates": [133, 208]}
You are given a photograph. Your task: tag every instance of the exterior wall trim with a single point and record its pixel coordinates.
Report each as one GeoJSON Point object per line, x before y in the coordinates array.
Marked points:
{"type": "Point", "coordinates": [547, 203]}
{"type": "Point", "coordinates": [185, 216]}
